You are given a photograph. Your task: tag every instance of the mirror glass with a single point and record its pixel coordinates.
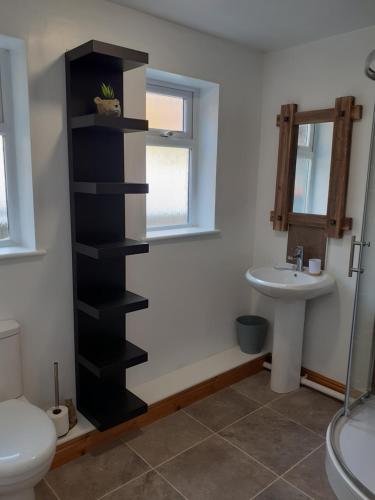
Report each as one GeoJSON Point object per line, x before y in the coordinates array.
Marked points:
{"type": "Point", "coordinates": [313, 168]}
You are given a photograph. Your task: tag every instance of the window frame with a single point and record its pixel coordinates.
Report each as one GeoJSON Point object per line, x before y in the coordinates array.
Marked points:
{"type": "Point", "coordinates": [19, 181]}
{"type": "Point", "coordinates": [7, 130]}
{"type": "Point", "coordinates": [187, 139]}
{"type": "Point", "coordinates": [187, 94]}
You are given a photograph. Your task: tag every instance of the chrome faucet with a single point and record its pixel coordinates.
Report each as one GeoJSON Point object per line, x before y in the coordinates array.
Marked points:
{"type": "Point", "coordinates": [299, 258]}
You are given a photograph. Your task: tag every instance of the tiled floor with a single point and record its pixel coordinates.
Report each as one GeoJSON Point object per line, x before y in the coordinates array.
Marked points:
{"type": "Point", "coordinates": [241, 443]}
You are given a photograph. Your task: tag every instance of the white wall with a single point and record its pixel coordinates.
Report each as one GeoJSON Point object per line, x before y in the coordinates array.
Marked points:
{"type": "Point", "coordinates": [196, 287]}
{"type": "Point", "coordinates": [312, 76]}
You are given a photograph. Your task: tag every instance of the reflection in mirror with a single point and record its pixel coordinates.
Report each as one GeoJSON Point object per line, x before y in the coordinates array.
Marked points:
{"type": "Point", "coordinates": [313, 168]}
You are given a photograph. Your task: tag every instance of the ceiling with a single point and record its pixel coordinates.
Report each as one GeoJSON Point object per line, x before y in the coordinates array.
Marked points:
{"type": "Point", "coordinates": [264, 24]}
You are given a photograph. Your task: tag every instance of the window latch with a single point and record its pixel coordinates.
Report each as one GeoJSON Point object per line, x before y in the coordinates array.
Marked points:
{"type": "Point", "coordinates": [167, 133]}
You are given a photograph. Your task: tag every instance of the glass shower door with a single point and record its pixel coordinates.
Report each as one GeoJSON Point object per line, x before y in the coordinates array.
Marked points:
{"type": "Point", "coordinates": [360, 381]}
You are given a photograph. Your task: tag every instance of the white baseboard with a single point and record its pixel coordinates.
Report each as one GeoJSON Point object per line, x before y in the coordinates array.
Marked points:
{"type": "Point", "coordinates": [187, 376]}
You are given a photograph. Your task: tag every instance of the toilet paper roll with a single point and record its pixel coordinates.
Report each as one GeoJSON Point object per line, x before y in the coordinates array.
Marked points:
{"type": "Point", "coordinates": [60, 417]}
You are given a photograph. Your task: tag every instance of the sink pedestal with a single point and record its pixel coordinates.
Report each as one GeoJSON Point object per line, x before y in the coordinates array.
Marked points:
{"type": "Point", "coordinates": [287, 345]}
{"type": "Point", "coordinates": [290, 289]}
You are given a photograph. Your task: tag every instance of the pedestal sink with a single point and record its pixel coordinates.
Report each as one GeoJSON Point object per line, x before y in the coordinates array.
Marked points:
{"type": "Point", "coordinates": [290, 289]}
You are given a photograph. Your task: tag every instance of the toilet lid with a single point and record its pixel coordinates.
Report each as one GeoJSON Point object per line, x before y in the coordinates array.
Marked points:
{"type": "Point", "coordinates": [27, 437]}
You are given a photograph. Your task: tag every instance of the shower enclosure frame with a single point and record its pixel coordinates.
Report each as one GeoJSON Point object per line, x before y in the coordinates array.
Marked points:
{"type": "Point", "coordinates": [349, 403]}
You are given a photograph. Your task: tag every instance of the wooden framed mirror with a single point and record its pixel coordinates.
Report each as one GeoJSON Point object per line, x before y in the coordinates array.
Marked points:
{"type": "Point", "coordinates": [313, 167]}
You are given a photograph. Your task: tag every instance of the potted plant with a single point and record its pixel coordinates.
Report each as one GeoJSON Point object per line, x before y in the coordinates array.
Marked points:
{"type": "Point", "coordinates": [107, 104]}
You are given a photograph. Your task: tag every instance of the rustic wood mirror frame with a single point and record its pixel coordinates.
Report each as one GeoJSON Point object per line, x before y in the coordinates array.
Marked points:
{"type": "Point", "coordinates": [342, 115]}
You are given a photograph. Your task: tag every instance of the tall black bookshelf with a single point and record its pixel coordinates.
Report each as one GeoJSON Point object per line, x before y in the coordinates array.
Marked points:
{"type": "Point", "coordinates": [99, 242]}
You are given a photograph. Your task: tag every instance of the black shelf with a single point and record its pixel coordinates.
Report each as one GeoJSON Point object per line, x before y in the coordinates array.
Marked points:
{"type": "Point", "coordinates": [119, 124]}
{"type": "Point", "coordinates": [110, 188]}
{"type": "Point", "coordinates": [107, 250]}
{"type": "Point", "coordinates": [101, 355]}
{"type": "Point", "coordinates": [98, 233]}
{"type": "Point", "coordinates": [107, 404]}
{"type": "Point", "coordinates": [111, 57]}
{"type": "Point", "coordinates": [99, 303]}
{"type": "Point", "coordinates": [110, 408]}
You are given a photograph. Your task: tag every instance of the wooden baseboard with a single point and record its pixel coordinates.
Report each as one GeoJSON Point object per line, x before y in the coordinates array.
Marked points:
{"type": "Point", "coordinates": [318, 378]}
{"type": "Point", "coordinates": [80, 445]}
{"type": "Point", "coordinates": [322, 380]}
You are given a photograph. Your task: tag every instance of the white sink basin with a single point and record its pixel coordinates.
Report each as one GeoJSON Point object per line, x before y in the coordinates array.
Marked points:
{"type": "Point", "coordinates": [292, 289]}
{"type": "Point", "coordinates": [286, 284]}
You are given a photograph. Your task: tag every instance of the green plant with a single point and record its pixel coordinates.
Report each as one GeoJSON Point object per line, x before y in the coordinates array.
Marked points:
{"type": "Point", "coordinates": [107, 91]}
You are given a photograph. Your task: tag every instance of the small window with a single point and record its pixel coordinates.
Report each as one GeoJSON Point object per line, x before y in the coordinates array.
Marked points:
{"type": "Point", "coordinates": [6, 141]}
{"type": "Point", "coordinates": [170, 154]}
{"type": "Point", "coordinates": [17, 228]}
{"type": "Point", "coordinates": [4, 224]}
{"type": "Point", "coordinates": [165, 112]}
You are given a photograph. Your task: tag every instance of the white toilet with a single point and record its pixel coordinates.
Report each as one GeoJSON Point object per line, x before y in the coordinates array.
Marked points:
{"type": "Point", "coordinates": [27, 435]}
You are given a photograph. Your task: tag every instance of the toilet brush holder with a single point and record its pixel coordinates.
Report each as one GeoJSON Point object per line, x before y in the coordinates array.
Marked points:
{"type": "Point", "coordinates": [59, 414]}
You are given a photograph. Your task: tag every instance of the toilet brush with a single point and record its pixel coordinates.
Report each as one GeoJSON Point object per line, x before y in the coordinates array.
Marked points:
{"type": "Point", "coordinates": [56, 378]}
{"type": "Point", "coordinates": [58, 413]}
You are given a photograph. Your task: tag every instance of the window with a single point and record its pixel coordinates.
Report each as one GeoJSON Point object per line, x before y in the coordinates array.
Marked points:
{"type": "Point", "coordinates": [181, 155]}
{"type": "Point", "coordinates": [4, 224]}
{"type": "Point", "coordinates": [17, 230]}
{"type": "Point", "coordinates": [6, 140]}
{"type": "Point", "coordinates": [170, 155]}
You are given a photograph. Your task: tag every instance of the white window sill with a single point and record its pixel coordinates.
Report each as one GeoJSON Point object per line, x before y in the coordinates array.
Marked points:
{"type": "Point", "coordinates": [185, 232]}
{"type": "Point", "coordinates": [17, 252]}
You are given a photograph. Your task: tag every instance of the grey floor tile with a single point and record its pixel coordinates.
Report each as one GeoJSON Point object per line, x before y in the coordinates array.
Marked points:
{"type": "Point", "coordinates": [148, 487]}
{"type": "Point", "coordinates": [97, 472]}
{"type": "Point", "coordinates": [310, 476]}
{"type": "Point", "coordinates": [272, 439]}
{"type": "Point", "coordinates": [280, 490]}
{"type": "Point", "coordinates": [216, 470]}
{"type": "Point", "coordinates": [221, 409]}
{"type": "Point", "coordinates": [308, 407]}
{"type": "Point", "coordinates": [257, 387]}
{"type": "Point", "coordinates": [212, 468]}
{"type": "Point", "coordinates": [43, 492]}
{"type": "Point", "coordinates": [166, 437]}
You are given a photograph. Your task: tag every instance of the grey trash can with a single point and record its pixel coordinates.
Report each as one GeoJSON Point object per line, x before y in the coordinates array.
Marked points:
{"type": "Point", "coordinates": [251, 333]}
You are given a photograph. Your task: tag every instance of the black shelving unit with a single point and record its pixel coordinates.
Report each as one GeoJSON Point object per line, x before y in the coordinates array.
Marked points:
{"type": "Point", "coordinates": [99, 242]}
{"type": "Point", "coordinates": [118, 124]}
{"type": "Point", "coordinates": [109, 188]}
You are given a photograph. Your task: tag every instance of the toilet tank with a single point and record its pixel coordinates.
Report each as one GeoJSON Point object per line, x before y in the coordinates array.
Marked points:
{"type": "Point", "coordinates": [10, 360]}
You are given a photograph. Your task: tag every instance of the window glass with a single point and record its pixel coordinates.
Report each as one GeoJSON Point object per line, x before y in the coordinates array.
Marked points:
{"type": "Point", "coordinates": [165, 112]}
{"type": "Point", "coordinates": [1, 102]}
{"type": "Point", "coordinates": [304, 135]}
{"type": "Point", "coordinates": [167, 173]}
{"type": "Point", "coordinates": [4, 226]}
{"type": "Point", "coordinates": [301, 185]}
